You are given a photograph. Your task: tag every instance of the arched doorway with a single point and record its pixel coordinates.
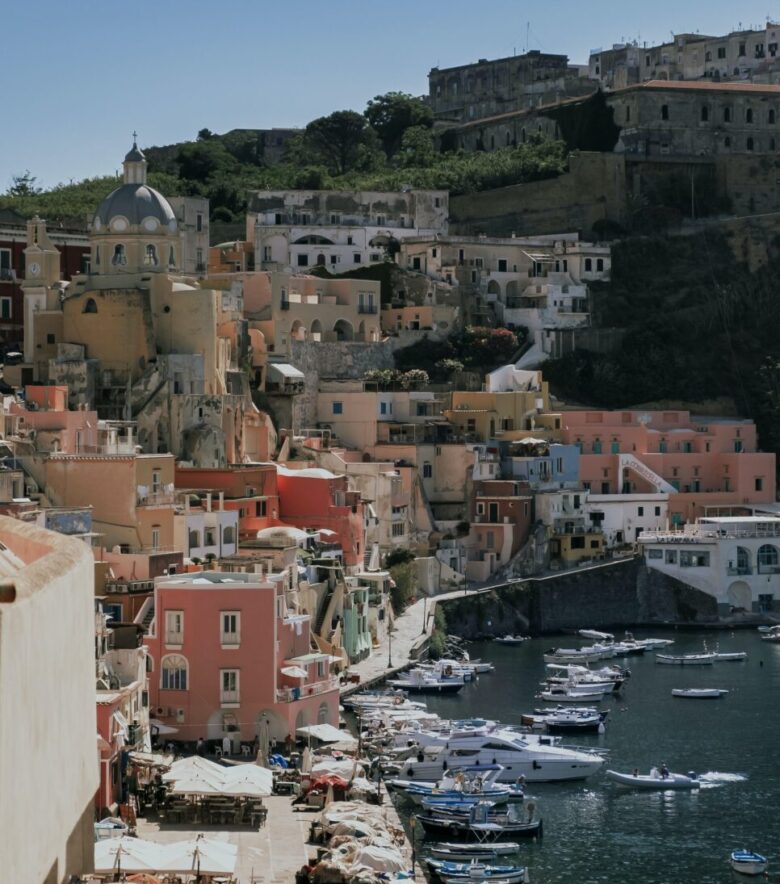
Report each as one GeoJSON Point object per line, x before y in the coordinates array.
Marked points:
{"type": "Point", "coordinates": [343, 330]}
{"type": "Point", "coordinates": [316, 330]}
{"type": "Point", "coordinates": [740, 596]}
{"type": "Point", "coordinates": [494, 287]}
{"type": "Point", "coordinates": [322, 714]}
{"type": "Point", "coordinates": [298, 331]}
{"type": "Point", "coordinates": [321, 259]}
{"type": "Point", "coordinates": [361, 335]}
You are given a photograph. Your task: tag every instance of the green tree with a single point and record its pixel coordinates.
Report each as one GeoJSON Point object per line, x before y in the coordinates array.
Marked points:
{"type": "Point", "coordinates": [336, 140]}
{"type": "Point", "coordinates": [417, 148]}
{"type": "Point", "coordinates": [390, 115]}
{"type": "Point", "coordinates": [23, 185]}
{"type": "Point", "coordinates": [200, 160]}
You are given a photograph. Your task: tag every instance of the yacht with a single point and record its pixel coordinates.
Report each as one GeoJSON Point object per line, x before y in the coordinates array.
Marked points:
{"type": "Point", "coordinates": [519, 755]}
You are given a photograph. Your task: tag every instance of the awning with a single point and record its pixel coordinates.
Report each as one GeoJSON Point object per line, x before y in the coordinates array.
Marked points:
{"type": "Point", "coordinates": [285, 370]}
{"type": "Point", "coordinates": [325, 733]}
{"type": "Point", "coordinates": [294, 672]}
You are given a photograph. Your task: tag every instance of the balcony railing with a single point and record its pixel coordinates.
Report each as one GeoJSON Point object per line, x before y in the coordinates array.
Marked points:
{"type": "Point", "coordinates": [174, 638]}
{"type": "Point", "coordinates": [229, 697]}
{"type": "Point", "coordinates": [735, 572]}
{"type": "Point", "coordinates": [368, 308]}
{"type": "Point", "coordinates": [152, 498]}
{"type": "Point", "coordinates": [230, 638]}
{"type": "Point", "coordinates": [290, 695]}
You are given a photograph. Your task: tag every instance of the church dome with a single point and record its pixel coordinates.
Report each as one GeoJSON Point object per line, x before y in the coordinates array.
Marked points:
{"type": "Point", "coordinates": [136, 204]}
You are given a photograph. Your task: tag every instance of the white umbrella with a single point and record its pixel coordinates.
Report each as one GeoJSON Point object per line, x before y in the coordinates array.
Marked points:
{"type": "Point", "coordinates": [306, 761]}
{"type": "Point", "coordinates": [250, 780]}
{"type": "Point", "coordinates": [198, 785]}
{"type": "Point", "coordinates": [201, 855]}
{"type": "Point", "coordinates": [294, 671]}
{"type": "Point", "coordinates": [127, 855]}
{"type": "Point", "coordinates": [185, 767]}
{"type": "Point", "coordinates": [161, 729]}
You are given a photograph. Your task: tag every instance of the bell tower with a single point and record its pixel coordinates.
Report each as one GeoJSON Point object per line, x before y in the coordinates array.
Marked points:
{"type": "Point", "coordinates": [41, 272]}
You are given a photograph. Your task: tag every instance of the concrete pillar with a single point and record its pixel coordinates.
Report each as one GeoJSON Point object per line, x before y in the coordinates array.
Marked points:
{"type": "Point", "coordinates": [208, 501]}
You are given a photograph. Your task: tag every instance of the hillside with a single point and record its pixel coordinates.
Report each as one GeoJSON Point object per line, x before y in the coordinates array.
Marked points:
{"type": "Point", "coordinates": [699, 325]}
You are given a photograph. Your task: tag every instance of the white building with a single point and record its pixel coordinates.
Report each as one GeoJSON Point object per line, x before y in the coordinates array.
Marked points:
{"type": "Point", "coordinates": [48, 743]}
{"type": "Point", "coordinates": [192, 215]}
{"type": "Point", "coordinates": [298, 229]}
{"type": "Point", "coordinates": [623, 517]}
{"type": "Point", "coordinates": [736, 559]}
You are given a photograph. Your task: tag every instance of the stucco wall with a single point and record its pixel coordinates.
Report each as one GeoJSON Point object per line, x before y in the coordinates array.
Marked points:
{"type": "Point", "coordinates": [48, 755]}
{"type": "Point", "coordinates": [332, 360]}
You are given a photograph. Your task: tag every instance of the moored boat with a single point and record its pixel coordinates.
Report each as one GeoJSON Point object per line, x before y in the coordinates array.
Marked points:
{"type": "Point", "coordinates": [466, 852]}
{"type": "Point", "coordinates": [571, 696]}
{"type": "Point", "coordinates": [491, 830]}
{"type": "Point", "coordinates": [654, 780]}
{"type": "Point", "coordinates": [730, 657]}
{"type": "Point", "coordinates": [512, 639]}
{"type": "Point", "coordinates": [686, 659]}
{"type": "Point", "coordinates": [772, 635]}
{"type": "Point", "coordinates": [419, 682]}
{"type": "Point", "coordinates": [476, 871]}
{"type": "Point", "coordinates": [699, 693]}
{"type": "Point", "coordinates": [746, 862]}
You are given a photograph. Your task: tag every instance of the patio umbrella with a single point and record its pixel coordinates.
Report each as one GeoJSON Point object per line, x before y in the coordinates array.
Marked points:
{"type": "Point", "coordinates": [306, 761]}
{"type": "Point", "coordinates": [118, 855]}
{"type": "Point", "coordinates": [186, 767]}
{"type": "Point", "coordinates": [258, 781]}
{"type": "Point", "coordinates": [198, 785]}
{"type": "Point", "coordinates": [202, 856]}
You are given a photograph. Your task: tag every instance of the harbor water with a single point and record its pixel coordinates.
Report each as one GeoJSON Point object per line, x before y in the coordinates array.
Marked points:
{"type": "Point", "coordinates": [596, 831]}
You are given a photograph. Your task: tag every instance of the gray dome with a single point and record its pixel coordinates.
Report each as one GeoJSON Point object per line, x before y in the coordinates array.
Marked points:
{"type": "Point", "coordinates": [135, 202]}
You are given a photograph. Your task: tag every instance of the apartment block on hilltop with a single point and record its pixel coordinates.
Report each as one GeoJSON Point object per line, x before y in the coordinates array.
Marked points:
{"type": "Point", "coordinates": [340, 230]}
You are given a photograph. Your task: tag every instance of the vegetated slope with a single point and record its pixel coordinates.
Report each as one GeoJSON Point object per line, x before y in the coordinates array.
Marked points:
{"type": "Point", "coordinates": [698, 326]}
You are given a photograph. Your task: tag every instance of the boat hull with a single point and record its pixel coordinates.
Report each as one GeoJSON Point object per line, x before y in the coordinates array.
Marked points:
{"type": "Point", "coordinates": [454, 852]}
{"type": "Point", "coordinates": [699, 694]}
{"type": "Point", "coordinates": [748, 863]}
{"type": "Point", "coordinates": [439, 687]}
{"type": "Point", "coordinates": [686, 659]}
{"type": "Point", "coordinates": [482, 832]}
{"type": "Point", "coordinates": [643, 781]}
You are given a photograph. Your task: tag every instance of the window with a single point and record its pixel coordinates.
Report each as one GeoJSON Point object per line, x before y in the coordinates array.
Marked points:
{"type": "Point", "coordinates": [502, 265]}
{"type": "Point", "coordinates": [335, 219]}
{"type": "Point", "coordinates": [415, 263]}
{"type": "Point", "coordinates": [120, 258]}
{"type": "Point", "coordinates": [771, 116]}
{"type": "Point", "coordinates": [749, 115]}
{"type": "Point", "coordinates": [5, 265]}
{"type": "Point", "coordinates": [749, 144]}
{"type": "Point", "coordinates": [173, 673]}
{"type": "Point", "coordinates": [658, 511]}
{"type": "Point", "coordinates": [383, 407]}
{"type": "Point", "coordinates": [230, 627]}
{"type": "Point", "coordinates": [600, 265]}
{"type": "Point", "coordinates": [588, 265]}
{"type": "Point", "coordinates": [671, 557]}
{"type": "Point", "coordinates": [628, 113]}
{"type": "Point", "coordinates": [210, 537]}
{"type": "Point", "coordinates": [156, 481]}
{"type": "Point", "coordinates": [726, 114]}
{"type": "Point", "coordinates": [655, 554]}
{"type": "Point", "coordinates": [398, 529]}
{"type": "Point", "coordinates": [427, 470]}
{"type": "Point", "coordinates": [5, 308]}
{"type": "Point", "coordinates": [228, 679]}
{"type": "Point", "coordinates": [349, 240]}
{"type": "Point", "coordinates": [174, 627]}
{"type": "Point", "coordinates": [664, 111]}
{"type": "Point", "coordinates": [338, 407]}
{"type": "Point", "coordinates": [375, 256]}
{"type": "Point", "coordinates": [640, 511]}
{"type": "Point", "coordinates": [741, 52]}
{"type": "Point", "coordinates": [261, 507]}
{"type": "Point", "coordinates": [155, 536]}
{"type": "Point", "coordinates": [437, 202]}
{"type": "Point", "coordinates": [172, 257]}
{"type": "Point", "coordinates": [334, 259]}
{"type": "Point", "coordinates": [90, 306]}
{"type": "Point", "coordinates": [759, 483]}
{"type": "Point", "coordinates": [303, 260]}
{"type": "Point", "coordinates": [150, 256]}
{"type": "Point", "coordinates": [356, 258]}
{"type": "Point", "coordinates": [380, 221]}
{"type": "Point", "coordinates": [727, 141]}
{"type": "Point", "coordinates": [721, 51]}
{"type": "Point", "coordinates": [228, 535]}
{"type": "Point", "coordinates": [199, 222]}
{"type": "Point", "coordinates": [705, 113]}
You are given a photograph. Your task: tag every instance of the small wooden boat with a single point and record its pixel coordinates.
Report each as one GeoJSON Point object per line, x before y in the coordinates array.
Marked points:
{"type": "Point", "coordinates": [481, 824]}
{"type": "Point", "coordinates": [699, 693]}
{"type": "Point", "coordinates": [746, 862]}
{"type": "Point", "coordinates": [686, 659]}
{"type": "Point", "coordinates": [455, 852]}
{"type": "Point", "coordinates": [512, 639]}
{"type": "Point", "coordinates": [475, 871]}
{"type": "Point", "coordinates": [654, 780]}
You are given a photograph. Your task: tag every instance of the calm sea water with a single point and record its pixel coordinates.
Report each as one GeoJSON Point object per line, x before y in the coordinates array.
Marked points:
{"type": "Point", "coordinates": [595, 831]}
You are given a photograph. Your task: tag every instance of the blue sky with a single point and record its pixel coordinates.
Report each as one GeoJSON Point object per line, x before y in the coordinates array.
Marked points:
{"type": "Point", "coordinates": [81, 76]}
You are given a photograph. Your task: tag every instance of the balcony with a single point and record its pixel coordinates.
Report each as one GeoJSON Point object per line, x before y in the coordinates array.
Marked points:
{"type": "Point", "coordinates": [154, 498]}
{"type": "Point", "coordinates": [284, 305]}
{"type": "Point", "coordinates": [229, 698]}
{"type": "Point", "coordinates": [230, 639]}
{"type": "Point", "coordinates": [290, 695]}
{"type": "Point", "coordinates": [174, 637]}
{"type": "Point", "coordinates": [739, 571]}
{"type": "Point", "coordinates": [368, 308]}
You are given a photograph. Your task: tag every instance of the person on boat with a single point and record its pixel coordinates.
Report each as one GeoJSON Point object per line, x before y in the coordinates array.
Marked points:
{"type": "Point", "coordinates": [636, 772]}
{"type": "Point", "coordinates": [664, 771]}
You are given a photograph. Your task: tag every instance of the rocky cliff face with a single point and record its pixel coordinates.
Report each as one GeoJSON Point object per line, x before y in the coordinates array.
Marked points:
{"type": "Point", "coordinates": [620, 594]}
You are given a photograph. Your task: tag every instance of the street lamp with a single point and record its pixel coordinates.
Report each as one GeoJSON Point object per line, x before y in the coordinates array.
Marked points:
{"type": "Point", "coordinates": [389, 648]}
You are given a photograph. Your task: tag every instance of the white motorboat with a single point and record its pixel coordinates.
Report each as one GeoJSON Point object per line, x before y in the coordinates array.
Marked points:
{"type": "Point", "coordinates": [512, 639]}
{"type": "Point", "coordinates": [568, 695]}
{"type": "Point", "coordinates": [596, 635]}
{"type": "Point", "coordinates": [773, 635]}
{"type": "Point", "coordinates": [448, 670]}
{"type": "Point", "coordinates": [686, 659]}
{"type": "Point", "coordinates": [518, 754]}
{"type": "Point", "coordinates": [747, 862]}
{"type": "Point", "coordinates": [466, 852]}
{"type": "Point", "coordinates": [581, 685]}
{"type": "Point", "coordinates": [456, 872]}
{"type": "Point", "coordinates": [573, 655]}
{"type": "Point", "coordinates": [561, 719]}
{"type": "Point", "coordinates": [654, 780]}
{"type": "Point", "coordinates": [420, 682]}
{"type": "Point", "coordinates": [653, 644]}
{"type": "Point", "coordinates": [730, 657]}
{"type": "Point", "coordinates": [699, 693]}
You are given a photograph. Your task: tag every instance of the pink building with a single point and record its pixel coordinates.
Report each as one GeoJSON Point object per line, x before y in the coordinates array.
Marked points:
{"type": "Point", "coordinates": [700, 462]}
{"type": "Point", "coordinates": [227, 653]}
{"type": "Point", "coordinates": [316, 498]}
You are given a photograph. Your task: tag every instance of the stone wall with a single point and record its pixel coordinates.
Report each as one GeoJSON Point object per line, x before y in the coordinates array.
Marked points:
{"type": "Point", "coordinates": [344, 360]}
{"type": "Point", "coordinates": [617, 595]}
{"type": "Point", "coordinates": [592, 190]}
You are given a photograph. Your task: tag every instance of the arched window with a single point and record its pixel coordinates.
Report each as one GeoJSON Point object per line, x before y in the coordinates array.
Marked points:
{"type": "Point", "coordinates": [749, 115]}
{"type": "Point", "coordinates": [149, 662]}
{"type": "Point", "coordinates": [767, 559]}
{"type": "Point", "coordinates": [90, 306]}
{"type": "Point", "coordinates": [150, 258]}
{"type": "Point", "coordinates": [174, 673]}
{"type": "Point", "coordinates": [120, 258]}
{"type": "Point", "coordinates": [727, 141]}
{"type": "Point", "coordinates": [228, 534]}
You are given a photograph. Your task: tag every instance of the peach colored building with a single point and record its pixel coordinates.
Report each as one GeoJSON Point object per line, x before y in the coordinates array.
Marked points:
{"type": "Point", "coordinates": [316, 498]}
{"type": "Point", "coordinates": [228, 651]}
{"type": "Point", "coordinates": [700, 462]}
{"type": "Point", "coordinates": [250, 489]}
